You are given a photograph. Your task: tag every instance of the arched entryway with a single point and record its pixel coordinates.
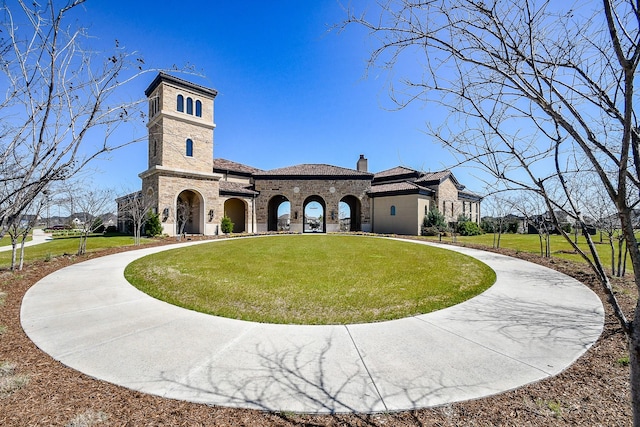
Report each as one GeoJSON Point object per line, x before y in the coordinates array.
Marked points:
{"type": "Point", "coordinates": [189, 213]}
{"type": "Point", "coordinates": [315, 219]}
{"type": "Point", "coordinates": [279, 214]}
{"type": "Point", "coordinates": [236, 210]}
{"type": "Point", "coordinates": [350, 213]}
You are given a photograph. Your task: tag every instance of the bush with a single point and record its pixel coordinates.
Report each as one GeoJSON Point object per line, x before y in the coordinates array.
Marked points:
{"type": "Point", "coordinates": [430, 231]}
{"type": "Point", "coordinates": [469, 228]}
{"type": "Point", "coordinates": [153, 227]}
{"type": "Point", "coordinates": [434, 219]}
{"type": "Point", "coordinates": [226, 225]}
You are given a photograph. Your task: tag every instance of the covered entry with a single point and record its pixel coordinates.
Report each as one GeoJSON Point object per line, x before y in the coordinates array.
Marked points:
{"type": "Point", "coordinates": [189, 213]}
{"type": "Point", "coordinates": [236, 210]}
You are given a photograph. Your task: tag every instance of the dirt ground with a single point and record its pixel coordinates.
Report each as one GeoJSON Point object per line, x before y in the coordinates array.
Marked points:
{"type": "Point", "coordinates": [35, 390]}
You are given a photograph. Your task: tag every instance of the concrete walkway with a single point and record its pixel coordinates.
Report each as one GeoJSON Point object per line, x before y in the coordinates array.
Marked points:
{"type": "Point", "coordinates": [531, 324]}
{"type": "Point", "coordinates": [39, 236]}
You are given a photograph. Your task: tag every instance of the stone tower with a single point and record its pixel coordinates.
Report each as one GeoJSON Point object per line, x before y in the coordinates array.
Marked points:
{"type": "Point", "coordinates": [179, 179]}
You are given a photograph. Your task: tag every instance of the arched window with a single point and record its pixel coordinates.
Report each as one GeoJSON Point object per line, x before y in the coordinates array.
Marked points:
{"type": "Point", "coordinates": [189, 148]}
{"type": "Point", "coordinates": [393, 210]}
{"type": "Point", "coordinates": [198, 108]}
{"type": "Point", "coordinates": [189, 106]}
{"type": "Point", "coordinates": [181, 103]}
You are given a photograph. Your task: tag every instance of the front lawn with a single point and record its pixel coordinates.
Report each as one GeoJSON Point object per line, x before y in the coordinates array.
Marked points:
{"type": "Point", "coordinates": [311, 279]}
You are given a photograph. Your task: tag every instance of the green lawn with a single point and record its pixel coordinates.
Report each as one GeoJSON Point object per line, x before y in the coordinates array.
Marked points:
{"type": "Point", "coordinates": [6, 240]}
{"type": "Point", "coordinates": [531, 243]}
{"type": "Point", "coordinates": [319, 279]}
{"type": "Point", "coordinates": [67, 245]}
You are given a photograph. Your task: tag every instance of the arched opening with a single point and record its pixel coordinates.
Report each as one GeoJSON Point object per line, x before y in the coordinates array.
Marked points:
{"type": "Point", "coordinates": [189, 213]}
{"type": "Point", "coordinates": [350, 213]}
{"type": "Point", "coordinates": [236, 210]}
{"type": "Point", "coordinates": [315, 220]}
{"type": "Point", "coordinates": [279, 214]}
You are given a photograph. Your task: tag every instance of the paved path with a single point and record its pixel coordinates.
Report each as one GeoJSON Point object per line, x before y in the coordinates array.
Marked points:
{"type": "Point", "coordinates": [531, 324]}
{"type": "Point", "coordinates": [39, 236]}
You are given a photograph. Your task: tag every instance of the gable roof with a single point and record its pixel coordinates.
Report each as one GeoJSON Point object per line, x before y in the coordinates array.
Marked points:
{"type": "Point", "coordinates": [309, 170]}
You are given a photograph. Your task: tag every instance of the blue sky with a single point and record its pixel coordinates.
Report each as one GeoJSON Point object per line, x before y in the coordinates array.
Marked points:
{"type": "Point", "coordinates": [291, 90]}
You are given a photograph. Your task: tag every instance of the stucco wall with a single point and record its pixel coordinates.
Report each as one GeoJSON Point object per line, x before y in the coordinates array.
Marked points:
{"type": "Point", "coordinates": [409, 211]}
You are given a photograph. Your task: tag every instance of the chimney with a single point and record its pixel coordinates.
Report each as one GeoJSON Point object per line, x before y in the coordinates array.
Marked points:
{"type": "Point", "coordinates": [362, 164]}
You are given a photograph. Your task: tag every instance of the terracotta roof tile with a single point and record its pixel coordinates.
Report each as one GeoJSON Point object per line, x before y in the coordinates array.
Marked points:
{"type": "Point", "coordinates": [313, 170]}
{"type": "Point", "coordinates": [231, 187]}
{"type": "Point", "coordinates": [230, 166]}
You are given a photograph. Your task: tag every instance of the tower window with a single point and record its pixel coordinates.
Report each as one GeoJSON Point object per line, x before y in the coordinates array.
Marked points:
{"type": "Point", "coordinates": [189, 148]}
{"type": "Point", "coordinates": [393, 210]}
{"type": "Point", "coordinates": [181, 103]}
{"type": "Point", "coordinates": [198, 108]}
{"type": "Point", "coordinates": [189, 106]}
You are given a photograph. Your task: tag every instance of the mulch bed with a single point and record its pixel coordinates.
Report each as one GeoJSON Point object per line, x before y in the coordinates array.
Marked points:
{"type": "Point", "coordinates": [594, 391]}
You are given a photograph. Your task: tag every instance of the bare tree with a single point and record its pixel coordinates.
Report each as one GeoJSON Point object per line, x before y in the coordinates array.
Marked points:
{"type": "Point", "coordinates": [183, 216]}
{"type": "Point", "coordinates": [61, 103]}
{"type": "Point", "coordinates": [540, 94]}
{"type": "Point", "coordinates": [90, 204]}
{"type": "Point", "coordinates": [19, 230]}
{"type": "Point", "coordinates": [135, 209]}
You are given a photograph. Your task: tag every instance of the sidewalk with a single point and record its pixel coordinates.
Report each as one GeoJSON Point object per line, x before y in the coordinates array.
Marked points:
{"type": "Point", "coordinates": [39, 236]}
{"type": "Point", "coordinates": [531, 324]}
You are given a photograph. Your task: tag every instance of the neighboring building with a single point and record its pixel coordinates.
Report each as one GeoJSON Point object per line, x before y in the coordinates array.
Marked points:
{"type": "Point", "coordinates": [192, 191]}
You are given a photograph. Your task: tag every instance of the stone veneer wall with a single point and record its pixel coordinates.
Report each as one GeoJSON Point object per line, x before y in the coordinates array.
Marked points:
{"type": "Point", "coordinates": [167, 188]}
{"type": "Point", "coordinates": [269, 188]}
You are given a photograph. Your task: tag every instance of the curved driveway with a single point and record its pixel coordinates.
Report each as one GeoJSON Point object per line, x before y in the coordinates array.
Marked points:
{"type": "Point", "coordinates": [531, 324]}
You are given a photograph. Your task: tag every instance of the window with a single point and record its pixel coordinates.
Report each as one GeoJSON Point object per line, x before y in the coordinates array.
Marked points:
{"type": "Point", "coordinates": [181, 103]}
{"type": "Point", "coordinates": [198, 108]}
{"type": "Point", "coordinates": [189, 106]}
{"type": "Point", "coordinates": [189, 148]}
{"type": "Point", "coordinates": [393, 210]}
{"type": "Point", "coordinates": [155, 148]}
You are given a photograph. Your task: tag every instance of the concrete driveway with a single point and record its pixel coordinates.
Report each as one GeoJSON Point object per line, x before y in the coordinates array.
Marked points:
{"type": "Point", "coordinates": [531, 324]}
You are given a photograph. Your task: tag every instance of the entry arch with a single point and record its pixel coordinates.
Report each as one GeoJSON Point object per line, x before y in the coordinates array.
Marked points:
{"type": "Point", "coordinates": [279, 213]}
{"type": "Point", "coordinates": [189, 212]}
{"type": "Point", "coordinates": [316, 222]}
{"type": "Point", "coordinates": [236, 210]}
{"type": "Point", "coordinates": [353, 221]}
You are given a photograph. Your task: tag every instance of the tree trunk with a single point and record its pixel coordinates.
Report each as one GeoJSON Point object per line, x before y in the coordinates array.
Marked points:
{"type": "Point", "coordinates": [22, 253]}
{"type": "Point", "coordinates": [613, 255]}
{"type": "Point", "coordinates": [634, 333]}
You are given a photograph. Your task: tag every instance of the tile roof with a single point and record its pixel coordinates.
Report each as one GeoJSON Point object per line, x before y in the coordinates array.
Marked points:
{"type": "Point", "coordinates": [402, 187]}
{"type": "Point", "coordinates": [314, 170]}
{"type": "Point", "coordinates": [436, 176]}
{"type": "Point", "coordinates": [231, 187]}
{"type": "Point", "coordinates": [398, 170]}
{"type": "Point", "coordinates": [230, 166]}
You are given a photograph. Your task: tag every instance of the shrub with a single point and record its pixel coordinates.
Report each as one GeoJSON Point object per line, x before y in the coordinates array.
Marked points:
{"type": "Point", "coordinates": [153, 227]}
{"type": "Point", "coordinates": [469, 228]}
{"type": "Point", "coordinates": [226, 225]}
{"type": "Point", "coordinates": [430, 231]}
{"type": "Point", "coordinates": [434, 219]}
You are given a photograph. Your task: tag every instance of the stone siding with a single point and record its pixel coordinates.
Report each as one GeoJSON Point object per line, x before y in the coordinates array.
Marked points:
{"type": "Point", "coordinates": [297, 191]}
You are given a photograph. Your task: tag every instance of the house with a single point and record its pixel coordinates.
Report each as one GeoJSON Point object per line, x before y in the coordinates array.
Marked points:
{"type": "Point", "coordinates": [192, 190]}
